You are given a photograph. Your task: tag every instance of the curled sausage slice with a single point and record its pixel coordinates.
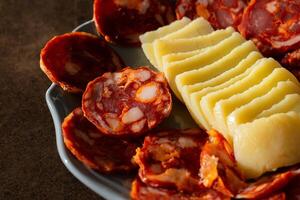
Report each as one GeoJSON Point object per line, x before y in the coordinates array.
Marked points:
{"type": "Point", "coordinates": [220, 13]}
{"type": "Point", "coordinates": [94, 149]}
{"type": "Point", "coordinates": [218, 167]}
{"type": "Point", "coordinates": [128, 102]}
{"type": "Point", "coordinates": [73, 59]}
{"type": "Point", "coordinates": [170, 159]}
{"type": "Point", "coordinates": [122, 21]}
{"type": "Point", "coordinates": [142, 191]}
{"type": "Point", "coordinates": [274, 25]}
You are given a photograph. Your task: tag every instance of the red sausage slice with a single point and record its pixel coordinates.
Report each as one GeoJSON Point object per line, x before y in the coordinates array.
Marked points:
{"type": "Point", "coordinates": [129, 102]}
{"type": "Point", "coordinates": [218, 167]}
{"type": "Point", "coordinates": [274, 25]}
{"type": "Point", "coordinates": [94, 149]}
{"type": "Point", "coordinates": [73, 59]}
{"type": "Point", "coordinates": [220, 13]}
{"type": "Point", "coordinates": [141, 191]}
{"type": "Point", "coordinates": [123, 21]}
{"type": "Point", "coordinates": [170, 159]}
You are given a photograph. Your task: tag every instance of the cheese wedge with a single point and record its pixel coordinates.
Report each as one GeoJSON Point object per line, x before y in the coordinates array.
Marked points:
{"type": "Point", "coordinates": [195, 28]}
{"type": "Point", "coordinates": [164, 47]}
{"type": "Point", "coordinates": [224, 107]}
{"type": "Point", "coordinates": [290, 102]}
{"type": "Point", "coordinates": [192, 94]}
{"type": "Point", "coordinates": [213, 70]}
{"type": "Point", "coordinates": [205, 58]}
{"type": "Point", "coordinates": [150, 36]}
{"type": "Point", "coordinates": [208, 102]}
{"type": "Point", "coordinates": [248, 112]}
{"type": "Point", "coordinates": [147, 38]}
{"type": "Point", "coordinates": [267, 144]}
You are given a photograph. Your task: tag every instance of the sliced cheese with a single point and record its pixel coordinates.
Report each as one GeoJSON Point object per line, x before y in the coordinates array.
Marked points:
{"type": "Point", "coordinates": [147, 38]}
{"type": "Point", "coordinates": [248, 112]}
{"type": "Point", "coordinates": [205, 58]}
{"type": "Point", "coordinates": [208, 102]}
{"type": "Point", "coordinates": [192, 94]}
{"type": "Point", "coordinates": [224, 107]}
{"type": "Point", "coordinates": [290, 102]}
{"type": "Point", "coordinates": [211, 71]}
{"type": "Point", "coordinates": [181, 56]}
{"type": "Point", "coordinates": [150, 36]}
{"type": "Point", "coordinates": [164, 47]}
{"type": "Point", "coordinates": [195, 28]}
{"type": "Point", "coordinates": [267, 144]}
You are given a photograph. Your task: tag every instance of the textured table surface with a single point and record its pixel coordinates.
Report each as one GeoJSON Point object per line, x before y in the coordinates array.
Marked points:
{"type": "Point", "coordinates": [30, 167]}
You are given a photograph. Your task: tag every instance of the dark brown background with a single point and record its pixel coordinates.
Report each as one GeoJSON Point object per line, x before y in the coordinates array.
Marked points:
{"type": "Point", "coordinates": [30, 167]}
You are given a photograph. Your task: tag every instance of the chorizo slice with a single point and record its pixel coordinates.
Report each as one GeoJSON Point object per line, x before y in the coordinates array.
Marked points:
{"type": "Point", "coordinates": [123, 21]}
{"type": "Point", "coordinates": [220, 13]}
{"type": "Point", "coordinates": [128, 102]}
{"type": "Point", "coordinates": [218, 167]}
{"type": "Point", "coordinates": [73, 59]}
{"type": "Point", "coordinates": [170, 159]}
{"type": "Point", "coordinates": [274, 25]}
{"type": "Point", "coordinates": [269, 184]}
{"type": "Point", "coordinates": [94, 149]}
{"type": "Point", "coordinates": [142, 191]}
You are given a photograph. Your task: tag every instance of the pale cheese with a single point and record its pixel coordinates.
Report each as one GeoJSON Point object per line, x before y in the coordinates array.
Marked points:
{"type": "Point", "coordinates": [267, 144]}
{"type": "Point", "coordinates": [290, 102]}
{"type": "Point", "coordinates": [164, 47]}
{"type": "Point", "coordinates": [215, 69]}
{"type": "Point", "coordinates": [248, 112]}
{"type": "Point", "coordinates": [203, 59]}
{"type": "Point", "coordinates": [181, 56]}
{"type": "Point", "coordinates": [208, 102]}
{"type": "Point", "coordinates": [224, 107]}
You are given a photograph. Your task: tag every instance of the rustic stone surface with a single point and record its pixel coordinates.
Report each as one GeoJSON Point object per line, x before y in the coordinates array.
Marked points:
{"type": "Point", "coordinates": [30, 167]}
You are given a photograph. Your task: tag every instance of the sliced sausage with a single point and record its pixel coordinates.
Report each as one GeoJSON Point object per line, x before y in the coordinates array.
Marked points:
{"type": "Point", "coordinates": [142, 191]}
{"type": "Point", "coordinates": [220, 13]}
{"type": "Point", "coordinates": [170, 159]}
{"type": "Point", "coordinates": [73, 59]}
{"type": "Point", "coordinates": [122, 21]}
{"type": "Point", "coordinates": [274, 25]}
{"type": "Point", "coordinates": [128, 102]}
{"type": "Point", "coordinates": [218, 167]}
{"type": "Point", "coordinates": [94, 149]}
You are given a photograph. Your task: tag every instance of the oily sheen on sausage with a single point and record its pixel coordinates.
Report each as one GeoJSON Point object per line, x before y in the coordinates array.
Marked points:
{"type": "Point", "coordinates": [128, 102]}
{"type": "Point", "coordinates": [73, 59]}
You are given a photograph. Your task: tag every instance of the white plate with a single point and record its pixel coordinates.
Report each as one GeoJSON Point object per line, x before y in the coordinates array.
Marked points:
{"type": "Point", "coordinates": [61, 103]}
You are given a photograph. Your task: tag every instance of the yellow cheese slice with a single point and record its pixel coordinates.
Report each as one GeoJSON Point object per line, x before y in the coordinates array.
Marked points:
{"type": "Point", "coordinates": [290, 102]}
{"type": "Point", "coordinates": [164, 47]}
{"type": "Point", "coordinates": [181, 56]}
{"type": "Point", "coordinates": [224, 107]}
{"type": "Point", "coordinates": [208, 102]}
{"type": "Point", "coordinates": [195, 28]}
{"type": "Point", "coordinates": [150, 36]}
{"type": "Point", "coordinates": [267, 144]}
{"type": "Point", "coordinates": [205, 58]}
{"type": "Point", "coordinates": [192, 94]}
{"type": "Point", "coordinates": [248, 112]}
{"type": "Point", "coordinates": [211, 71]}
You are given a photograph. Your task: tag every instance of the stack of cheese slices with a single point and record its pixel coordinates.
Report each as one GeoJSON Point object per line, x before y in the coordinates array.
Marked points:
{"type": "Point", "coordinates": [229, 86]}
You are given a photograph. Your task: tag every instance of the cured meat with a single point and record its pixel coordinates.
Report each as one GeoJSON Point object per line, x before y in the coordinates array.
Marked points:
{"type": "Point", "coordinates": [73, 59]}
{"type": "Point", "coordinates": [220, 13]}
{"type": "Point", "coordinates": [268, 185]}
{"type": "Point", "coordinates": [170, 159]}
{"type": "Point", "coordinates": [274, 25]}
{"type": "Point", "coordinates": [95, 149]}
{"type": "Point", "coordinates": [128, 102]}
{"type": "Point", "coordinates": [293, 189]}
{"type": "Point", "coordinates": [141, 191]}
{"type": "Point", "coordinates": [122, 21]}
{"type": "Point", "coordinates": [218, 166]}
